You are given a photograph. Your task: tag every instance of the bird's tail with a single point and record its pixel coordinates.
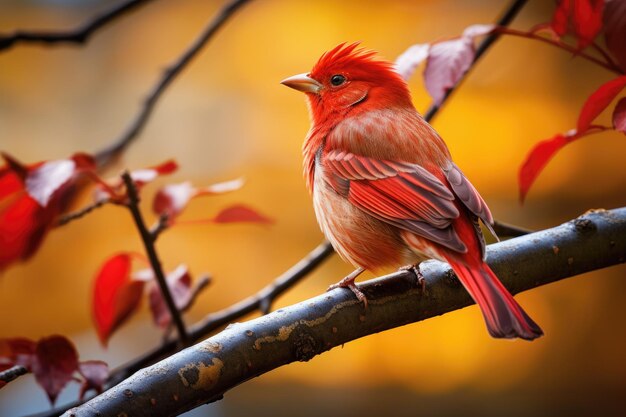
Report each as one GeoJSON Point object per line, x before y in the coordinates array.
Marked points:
{"type": "Point", "coordinates": [504, 317]}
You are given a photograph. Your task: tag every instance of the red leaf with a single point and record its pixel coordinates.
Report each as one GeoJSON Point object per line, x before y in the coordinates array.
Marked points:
{"type": "Point", "coordinates": [23, 225]}
{"type": "Point", "coordinates": [45, 180]}
{"type": "Point", "coordinates": [146, 175]}
{"type": "Point", "coordinates": [56, 362]}
{"type": "Point", "coordinates": [587, 20]}
{"type": "Point", "coordinates": [585, 17]}
{"type": "Point", "coordinates": [17, 351]}
{"type": "Point", "coordinates": [116, 296]}
{"type": "Point", "coordinates": [53, 360]}
{"type": "Point", "coordinates": [615, 30]}
{"type": "Point", "coordinates": [240, 213]}
{"type": "Point", "coordinates": [409, 60]}
{"type": "Point", "coordinates": [537, 159]}
{"type": "Point", "coordinates": [10, 182]}
{"type": "Point", "coordinates": [114, 188]}
{"type": "Point", "coordinates": [31, 200]}
{"type": "Point", "coordinates": [598, 101]}
{"type": "Point", "coordinates": [167, 167]}
{"type": "Point", "coordinates": [179, 283]}
{"type": "Point", "coordinates": [221, 187]}
{"type": "Point", "coordinates": [172, 199]}
{"type": "Point", "coordinates": [84, 162]}
{"type": "Point", "coordinates": [449, 60]}
{"type": "Point", "coordinates": [619, 116]}
{"type": "Point", "coordinates": [95, 374]}
{"type": "Point", "coordinates": [474, 31]}
{"type": "Point", "coordinates": [561, 17]}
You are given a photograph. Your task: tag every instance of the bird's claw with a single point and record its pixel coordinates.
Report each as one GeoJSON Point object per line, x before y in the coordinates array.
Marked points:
{"type": "Point", "coordinates": [415, 268]}
{"type": "Point", "coordinates": [348, 282]}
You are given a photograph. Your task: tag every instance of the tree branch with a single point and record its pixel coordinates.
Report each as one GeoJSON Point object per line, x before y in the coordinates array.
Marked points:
{"type": "Point", "coordinates": [79, 35]}
{"type": "Point", "coordinates": [207, 370]}
{"type": "Point", "coordinates": [108, 154]}
{"type": "Point", "coordinates": [80, 213]}
{"type": "Point", "coordinates": [216, 320]}
{"type": "Point", "coordinates": [509, 230]}
{"type": "Point", "coordinates": [230, 314]}
{"type": "Point", "coordinates": [155, 262]}
{"type": "Point", "coordinates": [204, 372]}
{"type": "Point", "coordinates": [12, 373]}
{"type": "Point", "coordinates": [610, 65]}
{"type": "Point", "coordinates": [84, 32]}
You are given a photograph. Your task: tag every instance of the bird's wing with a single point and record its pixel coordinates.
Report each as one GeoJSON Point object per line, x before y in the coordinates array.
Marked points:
{"type": "Point", "coordinates": [402, 194]}
{"type": "Point", "coordinates": [466, 192]}
{"type": "Point", "coordinates": [470, 198]}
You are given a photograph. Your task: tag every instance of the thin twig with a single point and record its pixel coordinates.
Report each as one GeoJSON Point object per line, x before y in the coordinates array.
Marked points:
{"type": "Point", "coordinates": [79, 35]}
{"type": "Point", "coordinates": [155, 263]}
{"type": "Point", "coordinates": [506, 19]}
{"type": "Point", "coordinates": [201, 284]}
{"type": "Point", "coordinates": [233, 313]}
{"type": "Point", "coordinates": [12, 373]}
{"type": "Point", "coordinates": [136, 126]}
{"type": "Point", "coordinates": [160, 226]}
{"type": "Point", "coordinates": [81, 212]}
{"type": "Point", "coordinates": [519, 33]}
{"type": "Point", "coordinates": [509, 230]}
{"type": "Point", "coordinates": [605, 55]}
{"type": "Point", "coordinates": [262, 300]}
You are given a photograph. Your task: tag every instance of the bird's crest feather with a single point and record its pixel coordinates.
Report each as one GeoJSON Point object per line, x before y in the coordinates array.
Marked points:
{"type": "Point", "coordinates": [349, 57]}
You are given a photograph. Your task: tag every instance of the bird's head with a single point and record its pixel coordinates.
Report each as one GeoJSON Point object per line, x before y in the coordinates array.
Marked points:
{"type": "Point", "coordinates": [348, 79]}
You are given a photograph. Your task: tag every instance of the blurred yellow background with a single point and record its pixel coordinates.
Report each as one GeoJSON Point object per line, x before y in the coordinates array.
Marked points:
{"type": "Point", "coordinates": [227, 116]}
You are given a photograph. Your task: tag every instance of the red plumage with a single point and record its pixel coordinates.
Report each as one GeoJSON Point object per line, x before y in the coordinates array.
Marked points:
{"type": "Point", "coordinates": [385, 190]}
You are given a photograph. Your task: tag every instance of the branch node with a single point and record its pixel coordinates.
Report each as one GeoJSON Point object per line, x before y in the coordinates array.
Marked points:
{"type": "Point", "coordinates": [160, 226]}
{"type": "Point", "coordinates": [265, 305]}
{"type": "Point", "coordinates": [584, 225]}
{"type": "Point", "coordinates": [153, 257]}
{"type": "Point", "coordinates": [306, 347]}
{"type": "Point", "coordinates": [451, 279]}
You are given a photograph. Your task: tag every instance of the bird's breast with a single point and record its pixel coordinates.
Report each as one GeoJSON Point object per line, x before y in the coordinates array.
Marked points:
{"type": "Point", "coordinates": [357, 237]}
{"type": "Point", "coordinates": [394, 134]}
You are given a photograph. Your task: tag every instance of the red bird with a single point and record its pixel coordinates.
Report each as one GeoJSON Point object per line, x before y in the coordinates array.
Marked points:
{"type": "Point", "coordinates": [385, 190]}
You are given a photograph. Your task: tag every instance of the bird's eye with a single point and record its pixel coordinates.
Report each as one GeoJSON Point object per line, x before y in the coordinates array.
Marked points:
{"type": "Point", "coordinates": [337, 80]}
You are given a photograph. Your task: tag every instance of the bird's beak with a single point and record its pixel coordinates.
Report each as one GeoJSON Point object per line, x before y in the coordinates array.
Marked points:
{"type": "Point", "coordinates": [302, 82]}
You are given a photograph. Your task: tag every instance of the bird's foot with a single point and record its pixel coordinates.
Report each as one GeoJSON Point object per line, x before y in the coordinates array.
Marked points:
{"type": "Point", "coordinates": [348, 282]}
{"type": "Point", "coordinates": [415, 268]}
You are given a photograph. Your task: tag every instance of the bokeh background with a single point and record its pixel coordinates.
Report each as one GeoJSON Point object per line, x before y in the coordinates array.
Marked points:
{"type": "Point", "coordinates": [227, 116]}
